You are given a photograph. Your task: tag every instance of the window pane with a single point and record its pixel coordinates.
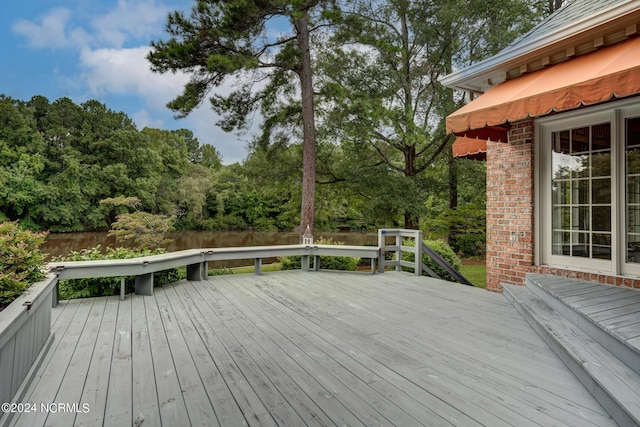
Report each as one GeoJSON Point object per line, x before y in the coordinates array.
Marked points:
{"type": "Point", "coordinates": [601, 164]}
{"type": "Point", "coordinates": [633, 132]}
{"type": "Point", "coordinates": [633, 189]}
{"type": "Point", "coordinates": [561, 243]}
{"type": "Point", "coordinates": [562, 218]}
{"type": "Point", "coordinates": [633, 219]}
{"type": "Point", "coordinates": [601, 217]}
{"type": "Point", "coordinates": [580, 140]}
{"type": "Point", "coordinates": [580, 166]}
{"type": "Point", "coordinates": [561, 193]}
{"type": "Point", "coordinates": [580, 218]}
{"type": "Point", "coordinates": [601, 191]}
{"type": "Point", "coordinates": [601, 246]}
{"type": "Point", "coordinates": [561, 143]}
{"type": "Point", "coordinates": [601, 137]}
{"type": "Point", "coordinates": [633, 161]}
{"type": "Point", "coordinates": [581, 244]}
{"type": "Point", "coordinates": [561, 166]}
{"type": "Point", "coordinates": [581, 192]}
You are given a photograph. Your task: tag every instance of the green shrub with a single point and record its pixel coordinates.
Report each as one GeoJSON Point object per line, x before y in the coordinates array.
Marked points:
{"type": "Point", "coordinates": [21, 260]}
{"type": "Point", "coordinates": [441, 248]}
{"type": "Point", "coordinates": [220, 271]}
{"type": "Point", "coordinates": [106, 286]}
{"type": "Point", "coordinates": [466, 228]}
{"type": "Point", "coordinates": [326, 262]}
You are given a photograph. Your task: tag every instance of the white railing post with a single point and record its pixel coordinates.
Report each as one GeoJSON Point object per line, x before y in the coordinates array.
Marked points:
{"type": "Point", "coordinates": [418, 254]}
{"type": "Point", "coordinates": [381, 249]}
{"type": "Point", "coordinates": [398, 251]}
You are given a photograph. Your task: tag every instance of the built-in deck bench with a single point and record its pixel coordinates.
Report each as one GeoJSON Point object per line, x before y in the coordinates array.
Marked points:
{"type": "Point", "coordinates": [196, 262]}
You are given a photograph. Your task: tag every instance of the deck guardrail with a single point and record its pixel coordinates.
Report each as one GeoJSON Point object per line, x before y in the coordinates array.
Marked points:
{"type": "Point", "coordinates": [399, 235]}
{"type": "Point", "coordinates": [25, 336]}
{"type": "Point", "coordinates": [418, 248]}
{"type": "Point", "coordinates": [196, 261]}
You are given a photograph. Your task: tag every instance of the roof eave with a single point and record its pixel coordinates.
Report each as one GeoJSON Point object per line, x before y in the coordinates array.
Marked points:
{"type": "Point", "coordinates": [492, 71]}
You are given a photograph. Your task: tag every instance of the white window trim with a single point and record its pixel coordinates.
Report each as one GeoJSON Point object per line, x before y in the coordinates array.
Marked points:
{"type": "Point", "coordinates": [614, 113]}
{"type": "Point", "coordinates": [624, 112]}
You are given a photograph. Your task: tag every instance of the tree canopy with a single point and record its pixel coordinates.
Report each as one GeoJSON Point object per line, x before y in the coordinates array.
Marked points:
{"type": "Point", "coordinates": [351, 107]}
{"type": "Point", "coordinates": [378, 77]}
{"type": "Point", "coordinates": [59, 159]}
{"type": "Point", "coordinates": [231, 42]}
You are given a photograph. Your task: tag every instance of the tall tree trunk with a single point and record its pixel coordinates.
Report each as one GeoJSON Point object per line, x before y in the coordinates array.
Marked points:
{"type": "Point", "coordinates": [308, 126]}
{"type": "Point", "coordinates": [411, 218]}
{"type": "Point", "coordinates": [411, 221]}
{"type": "Point", "coordinates": [452, 164]}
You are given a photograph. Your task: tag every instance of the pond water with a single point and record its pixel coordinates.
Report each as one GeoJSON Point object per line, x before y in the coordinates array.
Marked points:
{"type": "Point", "coordinates": [58, 244]}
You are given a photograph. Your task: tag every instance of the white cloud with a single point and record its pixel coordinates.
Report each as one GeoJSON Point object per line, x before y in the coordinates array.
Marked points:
{"type": "Point", "coordinates": [107, 69]}
{"type": "Point", "coordinates": [127, 71]}
{"type": "Point", "coordinates": [202, 123]}
{"type": "Point", "coordinates": [137, 20]}
{"type": "Point", "coordinates": [60, 28]}
{"type": "Point", "coordinates": [49, 32]}
{"type": "Point", "coordinates": [142, 120]}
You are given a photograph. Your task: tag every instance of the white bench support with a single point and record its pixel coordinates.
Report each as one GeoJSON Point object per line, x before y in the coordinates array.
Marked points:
{"type": "Point", "coordinates": [194, 272]}
{"type": "Point", "coordinates": [144, 284]}
{"type": "Point", "coordinates": [304, 262]}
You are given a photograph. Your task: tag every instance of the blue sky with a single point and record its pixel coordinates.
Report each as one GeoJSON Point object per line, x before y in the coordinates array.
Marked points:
{"type": "Point", "coordinates": [95, 49]}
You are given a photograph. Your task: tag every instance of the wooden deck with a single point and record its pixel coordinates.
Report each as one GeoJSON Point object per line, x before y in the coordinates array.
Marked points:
{"type": "Point", "coordinates": [614, 309]}
{"type": "Point", "coordinates": [295, 349]}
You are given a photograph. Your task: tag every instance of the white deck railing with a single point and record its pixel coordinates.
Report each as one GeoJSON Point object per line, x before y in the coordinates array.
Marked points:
{"type": "Point", "coordinates": [398, 235]}
{"type": "Point", "coordinates": [25, 335]}
{"type": "Point", "coordinates": [196, 261]}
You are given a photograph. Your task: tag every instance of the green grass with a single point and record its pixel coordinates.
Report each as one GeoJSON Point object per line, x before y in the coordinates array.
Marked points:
{"type": "Point", "coordinates": [477, 274]}
{"type": "Point", "coordinates": [250, 269]}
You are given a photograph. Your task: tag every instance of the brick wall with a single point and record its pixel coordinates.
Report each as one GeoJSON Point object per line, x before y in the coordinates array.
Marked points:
{"type": "Point", "coordinates": [510, 215]}
{"type": "Point", "coordinates": [510, 198]}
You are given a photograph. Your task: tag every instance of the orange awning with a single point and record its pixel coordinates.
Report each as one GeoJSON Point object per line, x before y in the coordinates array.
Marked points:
{"type": "Point", "coordinates": [611, 72]}
{"type": "Point", "coordinates": [470, 148]}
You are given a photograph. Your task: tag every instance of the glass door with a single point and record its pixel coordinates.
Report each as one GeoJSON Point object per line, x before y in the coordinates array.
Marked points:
{"type": "Point", "coordinates": [581, 192]}
{"type": "Point", "coordinates": [632, 171]}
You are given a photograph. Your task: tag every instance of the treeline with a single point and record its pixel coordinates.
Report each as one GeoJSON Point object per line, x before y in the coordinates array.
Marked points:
{"type": "Point", "coordinates": [58, 160]}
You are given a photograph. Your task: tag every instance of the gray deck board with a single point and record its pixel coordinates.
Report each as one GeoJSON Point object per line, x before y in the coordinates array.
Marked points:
{"type": "Point", "coordinates": [49, 382]}
{"type": "Point", "coordinates": [380, 375]}
{"type": "Point", "coordinates": [95, 389]}
{"type": "Point", "coordinates": [616, 310]}
{"type": "Point", "coordinates": [226, 410]}
{"type": "Point", "coordinates": [74, 380]}
{"type": "Point", "coordinates": [171, 403]}
{"type": "Point", "coordinates": [607, 301]}
{"type": "Point", "coordinates": [245, 399]}
{"type": "Point", "coordinates": [422, 341]}
{"type": "Point", "coordinates": [365, 402]}
{"type": "Point", "coordinates": [304, 340]}
{"type": "Point", "coordinates": [257, 366]}
{"type": "Point", "coordinates": [196, 400]}
{"type": "Point", "coordinates": [119, 406]}
{"type": "Point", "coordinates": [144, 391]}
{"type": "Point", "coordinates": [314, 349]}
{"type": "Point", "coordinates": [447, 370]}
